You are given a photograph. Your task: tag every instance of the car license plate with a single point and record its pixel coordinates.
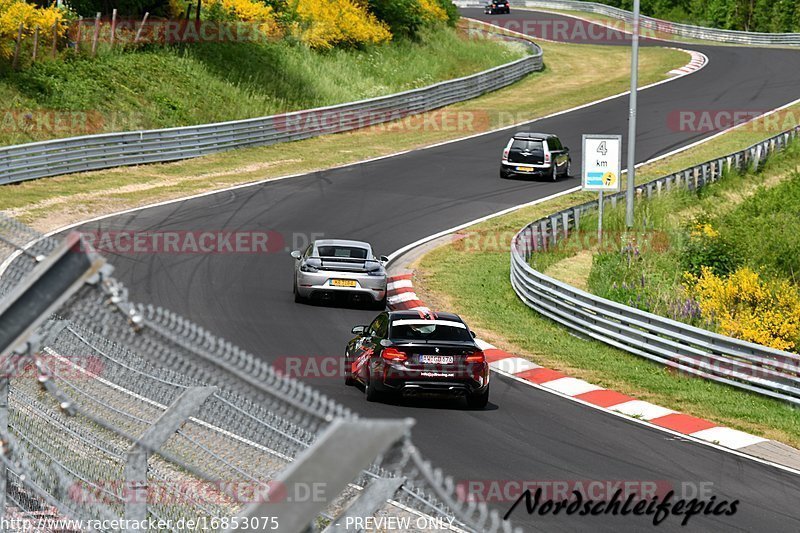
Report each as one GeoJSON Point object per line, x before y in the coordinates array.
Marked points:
{"type": "Point", "coordinates": [343, 282]}
{"type": "Point", "coordinates": [436, 359]}
{"type": "Point", "coordinates": [525, 169]}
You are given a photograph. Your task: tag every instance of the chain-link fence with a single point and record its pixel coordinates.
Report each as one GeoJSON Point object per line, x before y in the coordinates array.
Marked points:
{"type": "Point", "coordinates": [120, 411]}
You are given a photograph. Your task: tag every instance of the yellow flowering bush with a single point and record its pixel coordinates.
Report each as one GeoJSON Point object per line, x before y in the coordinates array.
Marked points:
{"type": "Point", "coordinates": [328, 23]}
{"type": "Point", "coordinates": [704, 229]}
{"type": "Point", "coordinates": [748, 308]}
{"type": "Point", "coordinates": [432, 11]}
{"type": "Point", "coordinates": [14, 12]}
{"type": "Point", "coordinates": [248, 11]}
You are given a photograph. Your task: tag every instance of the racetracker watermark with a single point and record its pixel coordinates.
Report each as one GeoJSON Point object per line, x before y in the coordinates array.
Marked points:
{"type": "Point", "coordinates": [122, 242]}
{"type": "Point", "coordinates": [67, 368]}
{"type": "Point", "coordinates": [195, 492]}
{"type": "Point", "coordinates": [715, 120]}
{"type": "Point", "coordinates": [337, 367]}
{"type": "Point", "coordinates": [331, 120]}
{"type": "Point", "coordinates": [490, 241]}
{"type": "Point", "coordinates": [775, 367]}
{"type": "Point", "coordinates": [125, 31]}
{"type": "Point", "coordinates": [51, 121]}
{"type": "Point", "coordinates": [571, 30]}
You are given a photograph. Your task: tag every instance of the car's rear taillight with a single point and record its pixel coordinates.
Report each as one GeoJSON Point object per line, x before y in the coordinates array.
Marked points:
{"type": "Point", "coordinates": [546, 157]}
{"type": "Point", "coordinates": [476, 357]}
{"type": "Point", "coordinates": [393, 354]}
{"type": "Point", "coordinates": [505, 154]}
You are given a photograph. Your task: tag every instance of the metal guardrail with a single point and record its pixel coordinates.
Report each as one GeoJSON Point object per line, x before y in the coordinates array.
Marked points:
{"type": "Point", "coordinates": [657, 25]}
{"type": "Point", "coordinates": [693, 350]}
{"type": "Point", "coordinates": [95, 152]}
{"type": "Point", "coordinates": [112, 411]}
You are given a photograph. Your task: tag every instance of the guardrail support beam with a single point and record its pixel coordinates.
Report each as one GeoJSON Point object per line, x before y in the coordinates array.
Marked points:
{"type": "Point", "coordinates": [155, 437]}
{"type": "Point", "coordinates": [344, 449]}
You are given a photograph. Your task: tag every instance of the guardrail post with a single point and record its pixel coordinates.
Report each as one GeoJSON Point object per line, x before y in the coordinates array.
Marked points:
{"type": "Point", "coordinates": [337, 457]}
{"type": "Point", "coordinates": [756, 158]}
{"type": "Point", "coordinates": [154, 438]}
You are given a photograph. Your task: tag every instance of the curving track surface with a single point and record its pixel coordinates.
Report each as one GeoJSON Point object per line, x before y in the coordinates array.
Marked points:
{"type": "Point", "coordinates": [526, 434]}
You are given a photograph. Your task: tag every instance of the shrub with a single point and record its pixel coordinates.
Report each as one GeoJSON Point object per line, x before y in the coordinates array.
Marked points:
{"type": "Point", "coordinates": [404, 17]}
{"type": "Point", "coordinates": [744, 306]}
{"type": "Point", "coordinates": [14, 12]}
{"type": "Point", "coordinates": [705, 248]}
{"type": "Point", "coordinates": [432, 11]}
{"type": "Point", "coordinates": [325, 24]}
{"type": "Point", "coordinates": [244, 10]}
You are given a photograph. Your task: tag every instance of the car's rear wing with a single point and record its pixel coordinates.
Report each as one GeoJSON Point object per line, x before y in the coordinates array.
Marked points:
{"type": "Point", "coordinates": [344, 259]}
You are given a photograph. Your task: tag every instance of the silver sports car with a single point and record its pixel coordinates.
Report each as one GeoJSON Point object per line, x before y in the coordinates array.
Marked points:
{"type": "Point", "coordinates": [332, 266]}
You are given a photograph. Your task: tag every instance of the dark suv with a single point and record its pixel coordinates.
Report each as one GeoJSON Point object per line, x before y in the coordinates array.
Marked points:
{"type": "Point", "coordinates": [535, 154]}
{"type": "Point", "coordinates": [497, 6]}
{"type": "Point", "coordinates": [406, 352]}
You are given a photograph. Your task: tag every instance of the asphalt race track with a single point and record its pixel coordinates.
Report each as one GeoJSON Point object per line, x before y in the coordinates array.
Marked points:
{"type": "Point", "coordinates": [525, 434]}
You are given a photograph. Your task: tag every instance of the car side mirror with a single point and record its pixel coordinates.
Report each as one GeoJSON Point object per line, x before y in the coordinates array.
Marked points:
{"type": "Point", "coordinates": [566, 148]}
{"type": "Point", "coordinates": [384, 259]}
{"type": "Point", "coordinates": [296, 254]}
{"type": "Point", "coordinates": [472, 333]}
{"type": "Point", "coordinates": [358, 330]}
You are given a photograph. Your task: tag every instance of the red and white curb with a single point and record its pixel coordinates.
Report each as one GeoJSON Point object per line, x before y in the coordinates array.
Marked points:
{"type": "Point", "coordinates": [697, 62]}
{"type": "Point", "coordinates": [401, 296]}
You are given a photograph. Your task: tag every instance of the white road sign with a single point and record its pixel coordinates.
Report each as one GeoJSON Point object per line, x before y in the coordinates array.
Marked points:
{"type": "Point", "coordinates": [602, 162]}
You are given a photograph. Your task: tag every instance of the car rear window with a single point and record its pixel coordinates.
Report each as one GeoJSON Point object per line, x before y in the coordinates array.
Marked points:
{"type": "Point", "coordinates": [428, 330]}
{"type": "Point", "coordinates": [348, 252]}
{"type": "Point", "coordinates": [531, 146]}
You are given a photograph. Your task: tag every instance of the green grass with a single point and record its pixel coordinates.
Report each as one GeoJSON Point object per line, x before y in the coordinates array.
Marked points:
{"type": "Point", "coordinates": [210, 82]}
{"type": "Point", "coordinates": [754, 213]}
{"type": "Point", "coordinates": [53, 202]}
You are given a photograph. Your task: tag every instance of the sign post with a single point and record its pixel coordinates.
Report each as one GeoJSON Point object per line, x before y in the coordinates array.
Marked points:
{"type": "Point", "coordinates": [601, 168]}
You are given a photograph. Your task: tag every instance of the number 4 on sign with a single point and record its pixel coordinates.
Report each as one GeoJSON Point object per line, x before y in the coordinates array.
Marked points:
{"type": "Point", "coordinates": [602, 149]}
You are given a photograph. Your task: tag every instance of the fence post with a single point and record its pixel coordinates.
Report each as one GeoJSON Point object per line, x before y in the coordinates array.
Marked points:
{"type": "Point", "coordinates": [55, 40]}
{"type": "Point", "coordinates": [96, 33]}
{"type": "Point", "coordinates": [79, 32]}
{"type": "Point", "coordinates": [154, 438]}
{"type": "Point", "coordinates": [139, 31]}
{"type": "Point", "coordinates": [35, 43]}
{"type": "Point", "coordinates": [113, 27]}
{"type": "Point", "coordinates": [15, 61]}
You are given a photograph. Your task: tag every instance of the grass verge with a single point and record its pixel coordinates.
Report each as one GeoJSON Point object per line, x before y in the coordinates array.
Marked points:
{"type": "Point", "coordinates": [53, 202]}
{"type": "Point", "coordinates": [160, 87]}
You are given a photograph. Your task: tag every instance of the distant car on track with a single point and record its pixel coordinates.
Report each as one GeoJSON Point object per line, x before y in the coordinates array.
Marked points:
{"type": "Point", "coordinates": [497, 7]}
{"type": "Point", "coordinates": [535, 154]}
{"type": "Point", "coordinates": [405, 352]}
{"type": "Point", "coordinates": [333, 266]}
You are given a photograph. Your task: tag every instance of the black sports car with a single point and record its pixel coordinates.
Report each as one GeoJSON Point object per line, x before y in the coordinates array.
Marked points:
{"type": "Point", "coordinates": [404, 352]}
{"type": "Point", "coordinates": [497, 6]}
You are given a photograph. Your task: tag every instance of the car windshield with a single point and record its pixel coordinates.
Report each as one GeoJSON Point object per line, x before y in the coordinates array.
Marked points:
{"type": "Point", "coordinates": [347, 252]}
{"type": "Point", "coordinates": [530, 146]}
{"type": "Point", "coordinates": [428, 330]}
